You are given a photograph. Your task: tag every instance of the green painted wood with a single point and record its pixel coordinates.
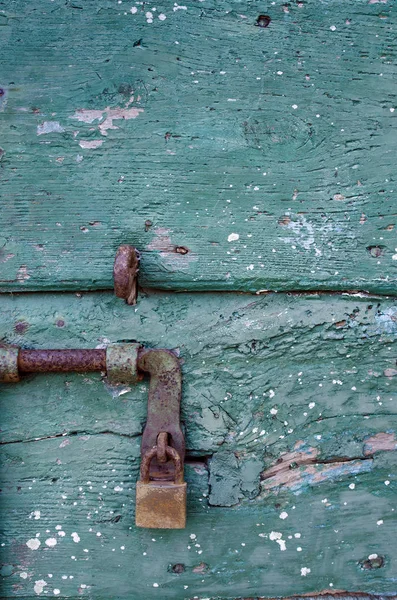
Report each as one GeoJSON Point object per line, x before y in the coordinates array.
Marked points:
{"type": "Point", "coordinates": [288, 404]}
{"type": "Point", "coordinates": [192, 127]}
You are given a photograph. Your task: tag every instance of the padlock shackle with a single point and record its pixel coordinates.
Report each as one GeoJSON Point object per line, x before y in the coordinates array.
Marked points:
{"type": "Point", "coordinates": [150, 454]}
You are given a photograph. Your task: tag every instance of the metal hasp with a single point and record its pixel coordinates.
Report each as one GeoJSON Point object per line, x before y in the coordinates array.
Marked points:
{"type": "Point", "coordinates": [125, 273]}
{"type": "Point", "coordinates": [161, 491]}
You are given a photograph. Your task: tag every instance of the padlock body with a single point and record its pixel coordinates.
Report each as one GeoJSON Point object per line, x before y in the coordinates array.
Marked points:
{"type": "Point", "coordinates": [160, 505]}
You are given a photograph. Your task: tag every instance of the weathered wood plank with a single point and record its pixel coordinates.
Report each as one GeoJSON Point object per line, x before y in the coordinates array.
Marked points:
{"type": "Point", "coordinates": [288, 401]}
{"type": "Point", "coordinates": [207, 127]}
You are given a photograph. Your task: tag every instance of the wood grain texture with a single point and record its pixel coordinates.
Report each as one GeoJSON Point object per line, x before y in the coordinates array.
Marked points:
{"type": "Point", "coordinates": [288, 404]}
{"type": "Point", "coordinates": [178, 133]}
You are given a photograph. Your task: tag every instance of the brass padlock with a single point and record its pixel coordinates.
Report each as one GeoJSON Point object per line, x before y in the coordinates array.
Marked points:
{"type": "Point", "coordinates": [161, 503]}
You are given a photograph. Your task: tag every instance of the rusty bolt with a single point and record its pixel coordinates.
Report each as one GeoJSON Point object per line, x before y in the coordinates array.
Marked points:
{"type": "Point", "coordinates": [125, 273]}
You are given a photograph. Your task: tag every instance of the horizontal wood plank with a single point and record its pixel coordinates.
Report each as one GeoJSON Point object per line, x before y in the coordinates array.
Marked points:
{"type": "Point", "coordinates": [288, 405]}
{"type": "Point", "coordinates": [233, 156]}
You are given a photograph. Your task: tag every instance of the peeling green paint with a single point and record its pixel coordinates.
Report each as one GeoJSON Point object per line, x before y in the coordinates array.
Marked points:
{"type": "Point", "coordinates": [265, 154]}
{"type": "Point", "coordinates": [279, 456]}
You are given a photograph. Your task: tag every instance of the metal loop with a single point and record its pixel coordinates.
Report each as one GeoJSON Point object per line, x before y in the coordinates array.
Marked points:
{"type": "Point", "coordinates": [125, 273]}
{"type": "Point", "coordinates": [150, 454]}
{"type": "Point", "coordinates": [162, 443]}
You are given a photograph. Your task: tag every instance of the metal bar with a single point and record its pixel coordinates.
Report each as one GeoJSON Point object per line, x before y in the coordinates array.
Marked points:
{"type": "Point", "coordinates": [40, 361]}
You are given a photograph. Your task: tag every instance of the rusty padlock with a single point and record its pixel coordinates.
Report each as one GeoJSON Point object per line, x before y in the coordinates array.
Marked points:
{"type": "Point", "coordinates": [161, 503]}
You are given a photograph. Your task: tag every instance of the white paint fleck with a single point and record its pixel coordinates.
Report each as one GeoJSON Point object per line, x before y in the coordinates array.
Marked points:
{"type": "Point", "coordinates": [49, 127]}
{"type": "Point", "coordinates": [333, 28]}
{"type": "Point", "coordinates": [352, 486]}
{"type": "Point", "coordinates": [23, 575]}
{"type": "Point", "coordinates": [76, 537]}
{"type": "Point", "coordinates": [250, 268]}
{"type": "Point", "coordinates": [297, 535]}
{"type": "Point", "coordinates": [299, 549]}
{"type": "Point", "coordinates": [380, 522]}
{"type": "Point", "coordinates": [275, 535]}
{"type": "Point", "coordinates": [51, 542]}
{"type": "Point", "coordinates": [155, 585]}
{"type": "Point", "coordinates": [162, 17]}
{"type": "Point", "coordinates": [58, 527]}
{"type": "Point", "coordinates": [273, 411]}
{"type": "Point", "coordinates": [33, 544]}
{"type": "Point", "coordinates": [312, 404]}
{"type": "Point", "coordinates": [283, 515]}
{"type": "Point", "coordinates": [233, 237]}
{"type": "Point", "coordinates": [305, 571]}
{"type": "Point", "coordinates": [192, 536]}
{"type": "Point", "coordinates": [61, 533]}
{"type": "Point", "coordinates": [372, 556]}
{"type": "Point", "coordinates": [118, 488]}
{"type": "Point", "coordinates": [133, 10]}
{"type": "Point", "coordinates": [178, 7]}
{"type": "Point", "coordinates": [39, 586]}
{"type": "Point", "coordinates": [279, 72]}
{"type": "Point", "coordinates": [387, 482]}
{"type": "Point", "coordinates": [90, 144]}
{"type": "Point", "coordinates": [271, 395]}
{"type": "Point", "coordinates": [282, 545]}
{"type": "Point", "coordinates": [392, 110]}
{"type": "Point", "coordinates": [56, 592]}
{"type": "Point", "coordinates": [294, 106]}
{"type": "Point", "coordinates": [35, 515]}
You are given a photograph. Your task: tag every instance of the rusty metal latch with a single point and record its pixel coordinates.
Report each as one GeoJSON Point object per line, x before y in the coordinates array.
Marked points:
{"type": "Point", "coordinates": [161, 493]}
{"type": "Point", "coordinates": [125, 273]}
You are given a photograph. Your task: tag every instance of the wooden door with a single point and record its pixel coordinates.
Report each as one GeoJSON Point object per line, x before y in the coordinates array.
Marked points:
{"type": "Point", "coordinates": [247, 149]}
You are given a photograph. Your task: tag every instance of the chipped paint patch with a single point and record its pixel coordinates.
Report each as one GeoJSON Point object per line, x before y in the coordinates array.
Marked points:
{"type": "Point", "coordinates": [307, 472]}
{"type": "Point", "coordinates": [51, 542]}
{"type": "Point", "coordinates": [90, 144]}
{"type": "Point", "coordinates": [107, 115]}
{"type": "Point", "coordinates": [306, 234]}
{"type": "Point", "coordinates": [381, 442]}
{"type": "Point", "coordinates": [170, 252]}
{"type": "Point", "coordinates": [33, 544]}
{"type": "Point", "coordinates": [49, 127]}
{"type": "Point", "coordinates": [386, 321]}
{"type": "Point", "coordinates": [22, 274]}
